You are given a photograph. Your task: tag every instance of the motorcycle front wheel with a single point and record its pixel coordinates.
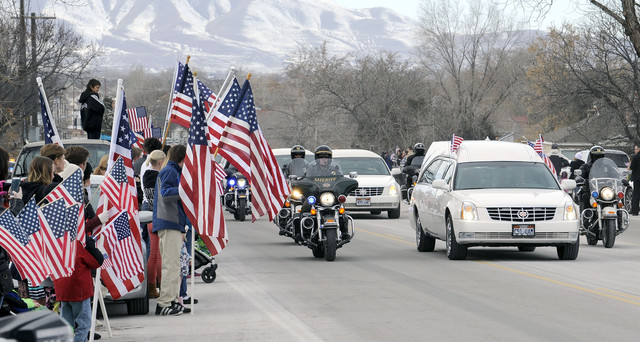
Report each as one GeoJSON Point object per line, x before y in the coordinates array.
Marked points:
{"type": "Point", "coordinates": [242, 209]}
{"type": "Point", "coordinates": [330, 244]}
{"type": "Point", "coordinates": [609, 233]}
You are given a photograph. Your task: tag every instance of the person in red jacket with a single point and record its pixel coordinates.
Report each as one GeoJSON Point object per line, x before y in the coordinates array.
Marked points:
{"type": "Point", "coordinates": [74, 292]}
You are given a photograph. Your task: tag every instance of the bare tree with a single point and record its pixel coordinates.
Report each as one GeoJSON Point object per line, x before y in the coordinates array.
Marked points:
{"type": "Point", "coordinates": [594, 67]}
{"type": "Point", "coordinates": [58, 55]}
{"type": "Point", "coordinates": [469, 53]}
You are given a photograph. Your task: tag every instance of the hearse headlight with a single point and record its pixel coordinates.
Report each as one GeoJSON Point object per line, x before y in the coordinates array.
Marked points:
{"type": "Point", "coordinates": [393, 190]}
{"type": "Point", "coordinates": [570, 213]}
{"type": "Point", "coordinates": [469, 212]}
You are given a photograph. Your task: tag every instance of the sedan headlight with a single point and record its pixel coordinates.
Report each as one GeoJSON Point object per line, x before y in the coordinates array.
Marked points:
{"type": "Point", "coordinates": [327, 199]}
{"type": "Point", "coordinates": [296, 194]}
{"type": "Point", "coordinates": [570, 213]}
{"type": "Point", "coordinates": [607, 193]}
{"type": "Point", "coordinates": [469, 212]}
{"type": "Point", "coordinates": [242, 183]}
{"type": "Point", "coordinates": [393, 191]}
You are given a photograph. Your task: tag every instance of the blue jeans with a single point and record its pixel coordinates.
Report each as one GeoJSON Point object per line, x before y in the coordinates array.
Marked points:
{"type": "Point", "coordinates": [183, 287]}
{"type": "Point", "coordinates": [78, 313]}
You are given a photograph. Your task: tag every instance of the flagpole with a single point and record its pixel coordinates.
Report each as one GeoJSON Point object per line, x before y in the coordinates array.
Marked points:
{"type": "Point", "coordinates": [224, 85]}
{"type": "Point", "coordinates": [97, 296]}
{"type": "Point", "coordinates": [52, 122]}
{"type": "Point", "coordinates": [167, 116]}
{"type": "Point", "coordinates": [196, 93]}
{"type": "Point", "coordinates": [166, 132]}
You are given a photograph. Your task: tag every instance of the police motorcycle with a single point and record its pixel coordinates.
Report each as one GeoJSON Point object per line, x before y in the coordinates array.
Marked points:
{"type": "Point", "coordinates": [296, 168]}
{"type": "Point", "coordinates": [606, 217]}
{"type": "Point", "coordinates": [322, 224]}
{"type": "Point", "coordinates": [411, 169]}
{"type": "Point", "coordinates": [237, 196]}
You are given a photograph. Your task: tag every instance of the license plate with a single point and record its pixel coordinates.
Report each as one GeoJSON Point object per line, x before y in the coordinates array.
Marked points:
{"type": "Point", "coordinates": [523, 230]}
{"type": "Point", "coordinates": [363, 200]}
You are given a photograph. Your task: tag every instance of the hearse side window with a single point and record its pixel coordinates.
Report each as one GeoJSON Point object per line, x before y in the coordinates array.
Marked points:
{"type": "Point", "coordinates": [430, 172]}
{"type": "Point", "coordinates": [442, 170]}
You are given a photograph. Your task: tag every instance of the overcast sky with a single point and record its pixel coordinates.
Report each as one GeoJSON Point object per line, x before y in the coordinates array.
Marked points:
{"type": "Point", "coordinates": [560, 10]}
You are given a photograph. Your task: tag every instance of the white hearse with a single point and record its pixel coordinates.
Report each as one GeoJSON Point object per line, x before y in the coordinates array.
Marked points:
{"type": "Point", "coordinates": [492, 193]}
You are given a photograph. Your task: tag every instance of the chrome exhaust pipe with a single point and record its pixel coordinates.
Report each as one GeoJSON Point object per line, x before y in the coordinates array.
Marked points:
{"type": "Point", "coordinates": [307, 223]}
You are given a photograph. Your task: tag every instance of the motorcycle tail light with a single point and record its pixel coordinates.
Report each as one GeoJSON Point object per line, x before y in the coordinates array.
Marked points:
{"type": "Point", "coordinates": [341, 210]}
{"type": "Point", "coordinates": [620, 194]}
{"type": "Point", "coordinates": [342, 198]}
{"type": "Point", "coordinates": [313, 211]}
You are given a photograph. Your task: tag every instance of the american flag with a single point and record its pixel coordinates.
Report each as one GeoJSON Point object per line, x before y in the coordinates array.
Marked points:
{"type": "Point", "coordinates": [199, 191]}
{"type": "Point", "coordinates": [540, 150]}
{"type": "Point", "coordinates": [116, 187]}
{"type": "Point", "coordinates": [22, 250]}
{"type": "Point", "coordinates": [455, 142]}
{"type": "Point", "coordinates": [28, 219]}
{"type": "Point", "coordinates": [70, 189]}
{"type": "Point", "coordinates": [140, 124]}
{"type": "Point", "coordinates": [218, 121]}
{"type": "Point", "coordinates": [122, 247]}
{"type": "Point", "coordinates": [122, 139]}
{"type": "Point", "coordinates": [207, 97]}
{"type": "Point", "coordinates": [244, 145]}
{"type": "Point", "coordinates": [59, 241]}
{"type": "Point", "coordinates": [183, 105]}
{"type": "Point", "coordinates": [51, 135]}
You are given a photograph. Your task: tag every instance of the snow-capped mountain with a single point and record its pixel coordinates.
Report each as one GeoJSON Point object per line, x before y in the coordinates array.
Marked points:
{"type": "Point", "coordinates": [253, 34]}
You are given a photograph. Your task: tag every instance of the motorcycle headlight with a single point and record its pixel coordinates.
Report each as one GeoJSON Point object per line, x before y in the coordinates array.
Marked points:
{"type": "Point", "coordinates": [469, 212]}
{"type": "Point", "coordinates": [327, 199]}
{"type": "Point", "coordinates": [393, 190]}
{"type": "Point", "coordinates": [607, 193]}
{"type": "Point", "coordinates": [296, 194]}
{"type": "Point", "coordinates": [242, 183]}
{"type": "Point", "coordinates": [570, 213]}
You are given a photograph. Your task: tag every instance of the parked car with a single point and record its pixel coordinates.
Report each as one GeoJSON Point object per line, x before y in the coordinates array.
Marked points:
{"type": "Point", "coordinates": [97, 149]}
{"type": "Point", "coordinates": [492, 193]}
{"type": "Point", "coordinates": [137, 300]}
{"type": "Point", "coordinates": [619, 157]}
{"type": "Point", "coordinates": [283, 156]}
{"type": "Point", "coordinates": [377, 188]}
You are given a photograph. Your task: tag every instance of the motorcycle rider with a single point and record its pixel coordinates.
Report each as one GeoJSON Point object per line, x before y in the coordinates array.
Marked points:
{"type": "Point", "coordinates": [595, 153]}
{"type": "Point", "coordinates": [298, 165]}
{"type": "Point", "coordinates": [323, 166]}
{"type": "Point", "coordinates": [414, 162]}
{"type": "Point", "coordinates": [557, 159]}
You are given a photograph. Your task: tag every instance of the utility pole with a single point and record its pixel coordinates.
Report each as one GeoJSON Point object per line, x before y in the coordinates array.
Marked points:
{"type": "Point", "coordinates": [23, 73]}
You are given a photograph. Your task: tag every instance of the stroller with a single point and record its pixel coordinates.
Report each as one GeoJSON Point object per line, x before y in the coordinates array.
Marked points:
{"type": "Point", "coordinates": [200, 259]}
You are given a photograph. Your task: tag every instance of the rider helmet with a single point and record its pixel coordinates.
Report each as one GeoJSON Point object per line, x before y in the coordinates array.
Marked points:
{"type": "Point", "coordinates": [323, 151]}
{"type": "Point", "coordinates": [419, 149]}
{"type": "Point", "coordinates": [554, 146]}
{"type": "Point", "coordinates": [297, 151]}
{"type": "Point", "coordinates": [595, 153]}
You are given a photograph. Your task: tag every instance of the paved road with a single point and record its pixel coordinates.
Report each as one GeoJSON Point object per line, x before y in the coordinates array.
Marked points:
{"type": "Point", "coordinates": [380, 288]}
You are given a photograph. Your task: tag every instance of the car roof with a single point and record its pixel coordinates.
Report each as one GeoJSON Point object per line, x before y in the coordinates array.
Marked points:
{"type": "Point", "coordinates": [487, 150]}
{"type": "Point", "coordinates": [339, 153]}
{"type": "Point", "coordinates": [77, 141]}
{"type": "Point", "coordinates": [287, 151]}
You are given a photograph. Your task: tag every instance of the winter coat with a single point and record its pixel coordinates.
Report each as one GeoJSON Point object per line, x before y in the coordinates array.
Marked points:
{"type": "Point", "coordinates": [6, 282]}
{"type": "Point", "coordinates": [91, 111]}
{"type": "Point", "coordinates": [37, 190]}
{"type": "Point", "coordinates": [558, 160]}
{"type": "Point", "coordinates": [79, 286]}
{"type": "Point", "coordinates": [149, 184]}
{"type": "Point", "coordinates": [168, 212]}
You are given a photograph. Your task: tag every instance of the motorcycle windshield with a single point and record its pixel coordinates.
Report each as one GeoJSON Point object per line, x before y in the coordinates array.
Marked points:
{"type": "Point", "coordinates": [313, 186]}
{"type": "Point", "coordinates": [605, 173]}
